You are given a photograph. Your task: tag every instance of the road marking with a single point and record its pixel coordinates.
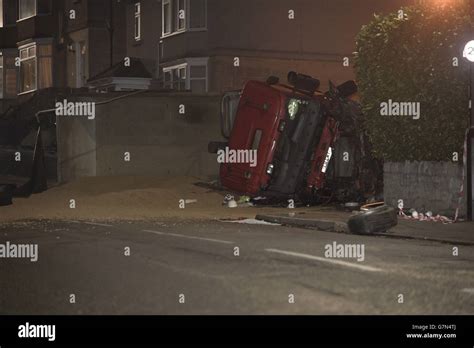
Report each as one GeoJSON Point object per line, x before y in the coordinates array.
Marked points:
{"type": "Point", "coordinates": [251, 222]}
{"type": "Point", "coordinates": [189, 237]}
{"type": "Point", "coordinates": [73, 222]}
{"type": "Point", "coordinates": [322, 259]}
{"type": "Point", "coordinates": [468, 290]}
{"type": "Point", "coordinates": [97, 224]}
{"type": "Point", "coordinates": [88, 223]}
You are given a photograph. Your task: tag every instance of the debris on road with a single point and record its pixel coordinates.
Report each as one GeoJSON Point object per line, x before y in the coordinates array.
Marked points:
{"type": "Point", "coordinates": [243, 199]}
{"type": "Point", "coordinates": [252, 222]}
{"type": "Point", "coordinates": [242, 202]}
{"type": "Point", "coordinates": [227, 199]}
{"type": "Point", "coordinates": [412, 214]}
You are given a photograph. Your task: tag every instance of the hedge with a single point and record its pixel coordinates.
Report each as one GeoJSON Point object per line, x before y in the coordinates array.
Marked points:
{"type": "Point", "coordinates": [410, 59]}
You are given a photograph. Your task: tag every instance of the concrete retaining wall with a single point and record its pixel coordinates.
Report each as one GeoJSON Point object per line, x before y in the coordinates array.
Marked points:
{"type": "Point", "coordinates": [77, 157]}
{"type": "Point", "coordinates": [149, 126]}
{"type": "Point", "coordinates": [424, 186]}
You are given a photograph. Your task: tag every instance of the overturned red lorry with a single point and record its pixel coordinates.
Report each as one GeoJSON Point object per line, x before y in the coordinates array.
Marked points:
{"type": "Point", "coordinates": [294, 131]}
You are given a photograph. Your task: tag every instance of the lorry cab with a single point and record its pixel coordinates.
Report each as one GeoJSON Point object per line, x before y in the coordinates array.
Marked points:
{"type": "Point", "coordinates": [288, 128]}
{"type": "Point", "coordinates": [255, 128]}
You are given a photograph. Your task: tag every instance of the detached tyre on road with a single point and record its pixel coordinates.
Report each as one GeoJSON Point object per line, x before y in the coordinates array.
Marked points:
{"type": "Point", "coordinates": [377, 219]}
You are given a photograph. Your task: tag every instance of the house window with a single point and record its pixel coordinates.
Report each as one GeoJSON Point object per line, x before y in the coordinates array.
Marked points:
{"type": "Point", "coordinates": [189, 76]}
{"type": "Point", "coordinates": [198, 78]}
{"type": "Point", "coordinates": [175, 77]}
{"type": "Point", "coordinates": [167, 79]}
{"type": "Point", "coordinates": [1, 13]}
{"type": "Point", "coordinates": [1, 77]}
{"type": "Point", "coordinates": [138, 22]}
{"type": "Point", "coordinates": [182, 15]}
{"type": "Point", "coordinates": [179, 83]}
{"type": "Point", "coordinates": [26, 9]}
{"type": "Point", "coordinates": [166, 17]}
{"type": "Point", "coordinates": [45, 66]}
{"type": "Point", "coordinates": [28, 69]}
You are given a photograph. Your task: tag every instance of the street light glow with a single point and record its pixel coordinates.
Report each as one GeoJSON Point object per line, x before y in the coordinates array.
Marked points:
{"type": "Point", "coordinates": [440, 4]}
{"type": "Point", "coordinates": [468, 52]}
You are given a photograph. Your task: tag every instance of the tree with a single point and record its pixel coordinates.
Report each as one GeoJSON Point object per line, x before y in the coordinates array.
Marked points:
{"type": "Point", "coordinates": [415, 55]}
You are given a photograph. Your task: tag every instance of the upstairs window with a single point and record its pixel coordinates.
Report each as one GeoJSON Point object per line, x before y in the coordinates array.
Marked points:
{"type": "Point", "coordinates": [28, 69]}
{"type": "Point", "coordinates": [138, 22]}
{"type": "Point", "coordinates": [26, 9]}
{"type": "Point", "coordinates": [166, 13]}
{"type": "Point", "coordinates": [182, 15]}
{"type": "Point", "coordinates": [1, 13]}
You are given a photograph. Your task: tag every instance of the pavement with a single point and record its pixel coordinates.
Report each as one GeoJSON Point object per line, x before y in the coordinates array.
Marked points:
{"type": "Point", "coordinates": [179, 266]}
{"type": "Point", "coordinates": [336, 221]}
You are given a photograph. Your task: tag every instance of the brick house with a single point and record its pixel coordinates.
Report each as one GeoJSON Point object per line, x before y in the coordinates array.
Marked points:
{"type": "Point", "coordinates": [196, 44]}
{"type": "Point", "coordinates": [56, 44]}
{"type": "Point", "coordinates": [215, 45]}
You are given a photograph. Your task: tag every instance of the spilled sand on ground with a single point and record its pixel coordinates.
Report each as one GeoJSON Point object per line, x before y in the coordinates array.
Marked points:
{"type": "Point", "coordinates": [127, 198]}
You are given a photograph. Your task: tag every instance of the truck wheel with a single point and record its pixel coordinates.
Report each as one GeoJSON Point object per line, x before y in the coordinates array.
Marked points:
{"type": "Point", "coordinates": [215, 146]}
{"type": "Point", "coordinates": [373, 220]}
{"type": "Point", "coordinates": [6, 194]}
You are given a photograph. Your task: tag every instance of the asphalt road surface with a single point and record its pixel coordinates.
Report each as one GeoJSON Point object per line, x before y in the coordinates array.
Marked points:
{"type": "Point", "coordinates": [186, 267]}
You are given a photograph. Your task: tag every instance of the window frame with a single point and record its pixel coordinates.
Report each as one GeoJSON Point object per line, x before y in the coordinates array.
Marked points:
{"type": "Point", "coordinates": [189, 62]}
{"type": "Point", "coordinates": [200, 63]}
{"type": "Point", "coordinates": [35, 12]}
{"type": "Point", "coordinates": [172, 70]}
{"type": "Point", "coordinates": [137, 21]}
{"type": "Point", "coordinates": [2, 19]}
{"type": "Point", "coordinates": [27, 48]}
{"type": "Point", "coordinates": [178, 28]}
{"type": "Point", "coordinates": [165, 82]}
{"type": "Point", "coordinates": [170, 18]}
{"type": "Point", "coordinates": [166, 18]}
